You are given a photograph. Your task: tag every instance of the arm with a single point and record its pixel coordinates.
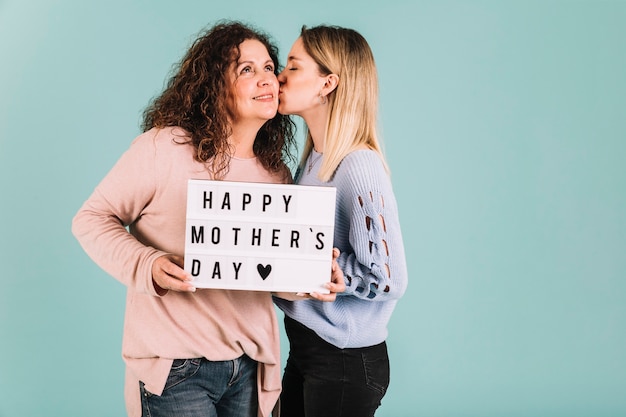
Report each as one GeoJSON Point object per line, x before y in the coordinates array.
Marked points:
{"type": "Point", "coordinates": [375, 268]}
{"type": "Point", "coordinates": [117, 203]}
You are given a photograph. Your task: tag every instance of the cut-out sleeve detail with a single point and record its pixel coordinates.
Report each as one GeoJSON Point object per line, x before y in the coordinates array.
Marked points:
{"type": "Point", "coordinates": [369, 266]}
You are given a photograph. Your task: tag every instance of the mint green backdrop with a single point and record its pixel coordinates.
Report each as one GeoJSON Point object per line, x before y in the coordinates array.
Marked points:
{"type": "Point", "coordinates": [505, 127]}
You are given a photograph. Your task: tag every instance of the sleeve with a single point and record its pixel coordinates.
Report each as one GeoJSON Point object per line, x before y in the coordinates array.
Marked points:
{"type": "Point", "coordinates": [101, 223]}
{"type": "Point", "coordinates": [375, 267]}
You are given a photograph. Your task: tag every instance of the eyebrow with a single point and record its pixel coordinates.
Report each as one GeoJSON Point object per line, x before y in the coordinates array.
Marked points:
{"type": "Point", "coordinates": [252, 62]}
{"type": "Point", "coordinates": [293, 58]}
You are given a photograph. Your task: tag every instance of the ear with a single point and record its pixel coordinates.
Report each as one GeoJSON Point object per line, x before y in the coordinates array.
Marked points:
{"type": "Point", "coordinates": [332, 80]}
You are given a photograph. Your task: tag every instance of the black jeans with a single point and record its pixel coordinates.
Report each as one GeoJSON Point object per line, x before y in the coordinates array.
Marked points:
{"type": "Point", "coordinates": [321, 380]}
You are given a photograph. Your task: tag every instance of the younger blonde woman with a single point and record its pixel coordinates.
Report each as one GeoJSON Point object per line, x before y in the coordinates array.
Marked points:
{"type": "Point", "coordinates": [338, 363]}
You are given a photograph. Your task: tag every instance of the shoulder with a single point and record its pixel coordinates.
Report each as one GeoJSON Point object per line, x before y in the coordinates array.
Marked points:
{"type": "Point", "coordinates": [168, 142]}
{"type": "Point", "coordinates": [162, 136]}
{"type": "Point", "coordinates": [364, 167]}
{"type": "Point", "coordinates": [363, 155]}
{"type": "Point", "coordinates": [362, 160]}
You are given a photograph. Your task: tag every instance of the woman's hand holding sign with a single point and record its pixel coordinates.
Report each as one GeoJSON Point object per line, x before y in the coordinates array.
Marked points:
{"type": "Point", "coordinates": [336, 285]}
{"type": "Point", "coordinates": [168, 274]}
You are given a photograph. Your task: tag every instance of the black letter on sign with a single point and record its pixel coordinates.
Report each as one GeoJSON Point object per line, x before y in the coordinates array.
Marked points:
{"type": "Point", "coordinates": [256, 237]}
{"type": "Point", "coordinates": [236, 230]}
{"type": "Point", "coordinates": [319, 237]}
{"type": "Point", "coordinates": [295, 235]}
{"type": "Point", "coordinates": [226, 202]}
{"type": "Point", "coordinates": [237, 267]}
{"type": "Point", "coordinates": [275, 233]}
{"type": "Point", "coordinates": [208, 199]}
{"type": "Point", "coordinates": [286, 200]}
{"type": "Point", "coordinates": [215, 235]}
{"type": "Point", "coordinates": [267, 200]}
{"type": "Point", "coordinates": [197, 236]}
{"type": "Point", "coordinates": [216, 271]}
{"type": "Point", "coordinates": [247, 198]}
{"type": "Point", "coordinates": [195, 267]}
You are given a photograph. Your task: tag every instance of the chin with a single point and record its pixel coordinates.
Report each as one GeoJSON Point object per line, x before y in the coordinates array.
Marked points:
{"type": "Point", "coordinates": [268, 116]}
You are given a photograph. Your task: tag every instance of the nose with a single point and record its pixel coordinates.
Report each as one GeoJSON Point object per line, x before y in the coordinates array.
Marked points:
{"type": "Point", "coordinates": [281, 77]}
{"type": "Point", "coordinates": [267, 79]}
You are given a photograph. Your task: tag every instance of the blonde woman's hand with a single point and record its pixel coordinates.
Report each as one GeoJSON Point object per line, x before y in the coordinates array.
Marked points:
{"type": "Point", "coordinates": [337, 283]}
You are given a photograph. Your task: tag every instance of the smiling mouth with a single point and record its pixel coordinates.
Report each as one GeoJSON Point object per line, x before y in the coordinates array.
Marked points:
{"type": "Point", "coordinates": [264, 97]}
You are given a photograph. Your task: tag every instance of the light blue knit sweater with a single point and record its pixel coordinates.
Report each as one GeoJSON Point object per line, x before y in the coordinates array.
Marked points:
{"type": "Point", "coordinates": [367, 232]}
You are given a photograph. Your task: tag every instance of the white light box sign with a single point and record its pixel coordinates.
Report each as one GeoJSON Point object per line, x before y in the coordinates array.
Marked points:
{"type": "Point", "coordinates": [256, 236]}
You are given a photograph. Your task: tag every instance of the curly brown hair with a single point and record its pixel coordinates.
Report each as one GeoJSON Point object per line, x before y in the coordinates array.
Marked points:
{"type": "Point", "coordinates": [196, 96]}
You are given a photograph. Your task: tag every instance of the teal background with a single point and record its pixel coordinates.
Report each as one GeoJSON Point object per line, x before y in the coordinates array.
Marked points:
{"type": "Point", "coordinates": [505, 127]}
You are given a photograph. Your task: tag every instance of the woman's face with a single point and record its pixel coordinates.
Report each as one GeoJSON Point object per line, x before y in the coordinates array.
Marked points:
{"type": "Point", "coordinates": [300, 82]}
{"type": "Point", "coordinates": [254, 87]}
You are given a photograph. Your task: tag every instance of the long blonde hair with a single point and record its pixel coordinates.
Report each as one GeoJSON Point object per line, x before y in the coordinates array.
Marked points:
{"type": "Point", "coordinates": [352, 120]}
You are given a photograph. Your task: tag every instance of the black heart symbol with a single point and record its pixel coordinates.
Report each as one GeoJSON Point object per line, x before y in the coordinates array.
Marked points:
{"type": "Point", "coordinates": [264, 271]}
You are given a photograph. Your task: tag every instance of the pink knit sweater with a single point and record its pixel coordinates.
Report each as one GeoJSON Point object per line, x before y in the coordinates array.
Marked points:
{"type": "Point", "coordinates": [145, 194]}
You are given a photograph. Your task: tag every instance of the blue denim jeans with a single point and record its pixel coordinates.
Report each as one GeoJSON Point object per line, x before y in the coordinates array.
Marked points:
{"type": "Point", "coordinates": [202, 388]}
{"type": "Point", "coordinates": [322, 380]}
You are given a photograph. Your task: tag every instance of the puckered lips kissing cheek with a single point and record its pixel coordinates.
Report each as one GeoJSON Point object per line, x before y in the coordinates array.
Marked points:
{"type": "Point", "coordinates": [281, 99]}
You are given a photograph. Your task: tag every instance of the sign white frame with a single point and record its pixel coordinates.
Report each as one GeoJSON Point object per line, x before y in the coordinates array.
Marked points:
{"type": "Point", "coordinates": [258, 236]}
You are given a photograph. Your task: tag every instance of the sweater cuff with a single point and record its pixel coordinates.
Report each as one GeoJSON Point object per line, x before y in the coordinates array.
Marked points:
{"type": "Point", "coordinates": [146, 284]}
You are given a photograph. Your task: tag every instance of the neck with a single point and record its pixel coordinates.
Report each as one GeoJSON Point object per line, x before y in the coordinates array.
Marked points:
{"type": "Point", "coordinates": [242, 139]}
{"type": "Point", "coordinates": [316, 122]}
